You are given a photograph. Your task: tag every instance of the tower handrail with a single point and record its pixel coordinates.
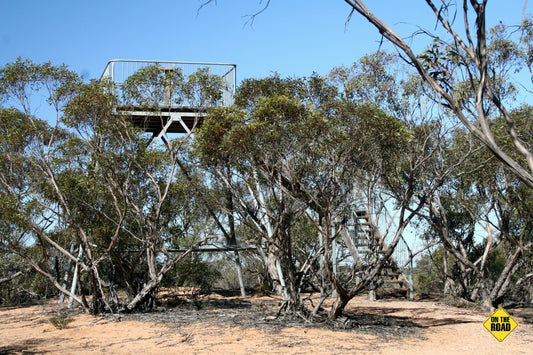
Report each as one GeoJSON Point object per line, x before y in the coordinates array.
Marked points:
{"type": "Point", "coordinates": [118, 70]}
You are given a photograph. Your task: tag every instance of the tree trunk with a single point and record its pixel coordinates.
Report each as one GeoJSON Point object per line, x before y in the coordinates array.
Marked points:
{"type": "Point", "coordinates": [340, 303]}
{"type": "Point", "coordinates": [239, 274]}
{"type": "Point", "coordinates": [74, 284]}
{"type": "Point", "coordinates": [502, 284]}
{"type": "Point", "coordinates": [144, 296]}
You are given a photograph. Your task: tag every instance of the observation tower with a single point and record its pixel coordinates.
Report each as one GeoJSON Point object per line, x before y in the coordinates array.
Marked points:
{"type": "Point", "coordinates": [169, 96]}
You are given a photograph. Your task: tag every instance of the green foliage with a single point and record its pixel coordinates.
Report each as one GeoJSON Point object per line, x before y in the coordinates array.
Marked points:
{"type": "Point", "coordinates": [496, 261]}
{"type": "Point", "coordinates": [288, 154]}
{"type": "Point", "coordinates": [90, 183]}
{"type": "Point", "coordinates": [18, 130]}
{"type": "Point", "coordinates": [61, 321]}
{"type": "Point", "coordinates": [154, 85]}
{"type": "Point", "coordinates": [210, 139]}
{"type": "Point", "coordinates": [251, 90]}
{"type": "Point", "coordinates": [481, 179]}
{"type": "Point", "coordinates": [374, 78]}
{"type": "Point", "coordinates": [90, 111]}
{"type": "Point", "coordinates": [158, 86]}
{"type": "Point", "coordinates": [194, 272]}
{"type": "Point", "coordinates": [379, 140]}
{"type": "Point", "coordinates": [21, 79]}
{"type": "Point", "coordinates": [428, 274]}
{"type": "Point", "coordinates": [314, 91]}
{"type": "Point", "coordinates": [204, 89]}
{"type": "Point", "coordinates": [440, 61]}
{"type": "Point", "coordinates": [280, 120]}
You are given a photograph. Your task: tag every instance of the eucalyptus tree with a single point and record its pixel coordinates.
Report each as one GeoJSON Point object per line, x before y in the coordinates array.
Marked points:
{"type": "Point", "coordinates": [159, 89]}
{"type": "Point", "coordinates": [151, 192]}
{"type": "Point", "coordinates": [296, 148]}
{"type": "Point", "coordinates": [473, 78]}
{"type": "Point", "coordinates": [29, 147]}
{"type": "Point", "coordinates": [485, 211]}
{"type": "Point", "coordinates": [244, 150]}
{"type": "Point", "coordinates": [141, 201]}
{"type": "Point", "coordinates": [397, 136]}
{"type": "Point", "coordinates": [458, 66]}
{"type": "Point", "coordinates": [462, 213]}
{"type": "Point", "coordinates": [478, 213]}
{"type": "Point", "coordinates": [457, 52]}
{"type": "Point", "coordinates": [89, 190]}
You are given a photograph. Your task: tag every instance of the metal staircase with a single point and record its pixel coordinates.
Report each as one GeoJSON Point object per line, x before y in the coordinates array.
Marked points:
{"type": "Point", "coordinates": [366, 246]}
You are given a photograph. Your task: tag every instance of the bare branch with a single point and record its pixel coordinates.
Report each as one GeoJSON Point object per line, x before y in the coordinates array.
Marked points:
{"type": "Point", "coordinates": [251, 18]}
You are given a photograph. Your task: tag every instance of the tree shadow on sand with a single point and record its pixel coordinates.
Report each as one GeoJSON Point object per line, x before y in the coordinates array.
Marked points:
{"type": "Point", "coordinates": [22, 348]}
{"type": "Point", "coordinates": [423, 318]}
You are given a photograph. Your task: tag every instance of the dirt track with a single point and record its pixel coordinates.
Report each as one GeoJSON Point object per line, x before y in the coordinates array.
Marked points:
{"type": "Point", "coordinates": [249, 326]}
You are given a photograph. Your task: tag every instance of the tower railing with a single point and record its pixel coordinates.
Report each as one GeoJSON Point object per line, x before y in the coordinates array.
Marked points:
{"type": "Point", "coordinates": [118, 70]}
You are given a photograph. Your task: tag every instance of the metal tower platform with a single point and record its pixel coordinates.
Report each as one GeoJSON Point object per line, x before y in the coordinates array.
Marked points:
{"type": "Point", "coordinates": [166, 116]}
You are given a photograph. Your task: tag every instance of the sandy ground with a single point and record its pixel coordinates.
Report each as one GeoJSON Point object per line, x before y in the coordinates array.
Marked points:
{"type": "Point", "coordinates": [249, 326]}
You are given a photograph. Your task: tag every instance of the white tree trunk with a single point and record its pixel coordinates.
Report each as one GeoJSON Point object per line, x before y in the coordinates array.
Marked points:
{"type": "Point", "coordinates": [74, 279]}
{"type": "Point", "coordinates": [239, 274]}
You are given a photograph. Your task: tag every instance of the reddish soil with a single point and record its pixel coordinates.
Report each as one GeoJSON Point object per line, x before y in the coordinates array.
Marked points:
{"type": "Point", "coordinates": [229, 325]}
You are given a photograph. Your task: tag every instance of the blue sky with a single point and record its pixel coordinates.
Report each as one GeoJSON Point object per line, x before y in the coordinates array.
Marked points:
{"type": "Point", "coordinates": [293, 37]}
